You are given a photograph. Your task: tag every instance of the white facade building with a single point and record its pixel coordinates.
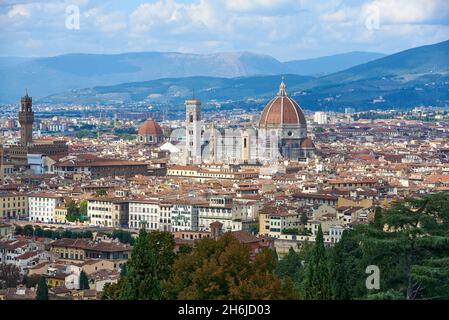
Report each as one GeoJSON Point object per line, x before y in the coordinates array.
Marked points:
{"type": "Point", "coordinates": [41, 207]}
{"type": "Point", "coordinates": [144, 213]}
{"type": "Point", "coordinates": [320, 117]}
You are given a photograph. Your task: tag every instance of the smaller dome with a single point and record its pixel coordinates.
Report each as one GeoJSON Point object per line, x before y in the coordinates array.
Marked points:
{"type": "Point", "coordinates": [150, 128]}
{"type": "Point", "coordinates": [307, 143]}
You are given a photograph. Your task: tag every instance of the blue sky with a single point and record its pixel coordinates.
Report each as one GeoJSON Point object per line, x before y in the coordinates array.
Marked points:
{"type": "Point", "coordinates": [285, 29]}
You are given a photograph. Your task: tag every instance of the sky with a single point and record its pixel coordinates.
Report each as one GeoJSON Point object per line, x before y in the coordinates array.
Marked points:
{"type": "Point", "coordinates": [284, 29]}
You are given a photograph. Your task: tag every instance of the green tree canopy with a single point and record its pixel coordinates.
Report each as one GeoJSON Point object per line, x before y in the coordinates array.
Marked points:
{"type": "Point", "coordinates": [142, 281]}
{"type": "Point", "coordinates": [84, 281]}
{"type": "Point", "coordinates": [317, 281]}
{"type": "Point", "coordinates": [42, 289]}
{"type": "Point", "coordinates": [224, 269]}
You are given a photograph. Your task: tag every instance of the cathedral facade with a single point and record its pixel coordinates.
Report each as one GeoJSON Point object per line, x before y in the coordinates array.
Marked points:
{"type": "Point", "coordinates": [281, 134]}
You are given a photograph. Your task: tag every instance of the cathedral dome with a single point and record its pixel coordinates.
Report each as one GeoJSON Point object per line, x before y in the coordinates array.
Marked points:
{"type": "Point", "coordinates": [282, 110]}
{"type": "Point", "coordinates": [150, 128]}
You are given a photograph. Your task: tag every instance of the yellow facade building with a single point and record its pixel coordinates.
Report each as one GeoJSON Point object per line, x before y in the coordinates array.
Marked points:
{"type": "Point", "coordinates": [61, 214]}
{"type": "Point", "coordinates": [13, 205]}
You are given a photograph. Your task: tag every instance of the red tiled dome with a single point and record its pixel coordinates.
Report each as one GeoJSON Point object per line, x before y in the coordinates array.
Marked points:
{"type": "Point", "coordinates": [150, 128]}
{"type": "Point", "coordinates": [282, 110]}
{"type": "Point", "coordinates": [307, 143]}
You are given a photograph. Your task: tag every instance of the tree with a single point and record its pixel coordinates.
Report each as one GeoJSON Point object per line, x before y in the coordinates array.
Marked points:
{"type": "Point", "coordinates": [42, 289]}
{"type": "Point", "coordinates": [28, 230]}
{"type": "Point", "coordinates": [87, 234]}
{"type": "Point", "coordinates": [346, 273]}
{"type": "Point", "coordinates": [111, 291]}
{"type": "Point", "coordinates": [67, 233]}
{"type": "Point", "coordinates": [142, 281]}
{"type": "Point", "coordinates": [73, 212]}
{"type": "Point", "coordinates": [290, 265]}
{"type": "Point", "coordinates": [18, 230]}
{"type": "Point", "coordinates": [9, 275]}
{"type": "Point", "coordinates": [48, 233]}
{"type": "Point", "coordinates": [304, 218]}
{"type": "Point", "coordinates": [38, 232]}
{"type": "Point", "coordinates": [224, 269]}
{"type": "Point", "coordinates": [293, 231]}
{"type": "Point", "coordinates": [411, 241]}
{"type": "Point", "coordinates": [83, 208]}
{"type": "Point", "coordinates": [317, 283]}
{"type": "Point", "coordinates": [163, 245]}
{"type": "Point", "coordinates": [32, 281]}
{"type": "Point", "coordinates": [84, 281]}
{"type": "Point", "coordinates": [123, 236]}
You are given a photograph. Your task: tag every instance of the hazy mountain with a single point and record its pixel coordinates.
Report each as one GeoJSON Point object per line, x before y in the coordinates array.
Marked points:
{"type": "Point", "coordinates": [405, 65]}
{"type": "Point", "coordinates": [45, 76]}
{"type": "Point", "coordinates": [418, 76]}
{"type": "Point", "coordinates": [408, 78]}
{"type": "Point", "coordinates": [176, 90]}
{"type": "Point", "coordinates": [330, 64]}
{"type": "Point", "coordinates": [12, 61]}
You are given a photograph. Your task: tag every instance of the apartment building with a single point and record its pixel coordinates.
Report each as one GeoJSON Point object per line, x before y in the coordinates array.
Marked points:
{"type": "Point", "coordinates": [280, 221]}
{"type": "Point", "coordinates": [42, 206]}
{"type": "Point", "coordinates": [13, 205]}
{"type": "Point", "coordinates": [145, 213]}
{"type": "Point", "coordinates": [108, 212]}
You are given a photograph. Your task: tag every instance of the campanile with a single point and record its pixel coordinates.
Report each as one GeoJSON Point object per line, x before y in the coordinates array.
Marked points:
{"type": "Point", "coordinates": [26, 119]}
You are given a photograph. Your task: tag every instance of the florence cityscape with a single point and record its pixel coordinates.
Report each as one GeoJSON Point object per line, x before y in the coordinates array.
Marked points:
{"type": "Point", "coordinates": [224, 150]}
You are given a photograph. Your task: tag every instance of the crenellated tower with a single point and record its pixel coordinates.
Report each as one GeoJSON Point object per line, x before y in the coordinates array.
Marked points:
{"type": "Point", "coordinates": [26, 119]}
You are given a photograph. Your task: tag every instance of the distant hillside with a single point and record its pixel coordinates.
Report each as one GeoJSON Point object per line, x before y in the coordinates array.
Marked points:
{"type": "Point", "coordinates": [12, 61]}
{"type": "Point", "coordinates": [330, 64]}
{"type": "Point", "coordinates": [46, 76]}
{"type": "Point", "coordinates": [176, 90]}
{"type": "Point", "coordinates": [418, 76]}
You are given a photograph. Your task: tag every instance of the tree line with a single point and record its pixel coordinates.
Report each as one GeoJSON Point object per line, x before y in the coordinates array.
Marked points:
{"type": "Point", "coordinates": [29, 231]}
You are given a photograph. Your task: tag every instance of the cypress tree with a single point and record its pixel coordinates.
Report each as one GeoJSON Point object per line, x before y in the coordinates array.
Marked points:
{"type": "Point", "coordinates": [84, 281]}
{"type": "Point", "coordinates": [141, 281]}
{"type": "Point", "coordinates": [317, 284]}
{"type": "Point", "coordinates": [346, 274]}
{"type": "Point", "coordinates": [42, 289]}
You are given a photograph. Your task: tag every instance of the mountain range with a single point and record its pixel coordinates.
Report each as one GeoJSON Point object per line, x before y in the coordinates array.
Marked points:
{"type": "Point", "coordinates": [46, 76]}
{"type": "Point", "coordinates": [418, 76]}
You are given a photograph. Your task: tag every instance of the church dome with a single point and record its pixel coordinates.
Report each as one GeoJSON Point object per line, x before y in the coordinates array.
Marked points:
{"type": "Point", "coordinates": [150, 128]}
{"type": "Point", "coordinates": [282, 110]}
{"type": "Point", "coordinates": [307, 143]}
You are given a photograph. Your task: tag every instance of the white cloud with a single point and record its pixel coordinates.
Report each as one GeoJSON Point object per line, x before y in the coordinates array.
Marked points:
{"type": "Point", "coordinates": [406, 11]}
{"type": "Point", "coordinates": [20, 10]}
{"type": "Point", "coordinates": [260, 6]}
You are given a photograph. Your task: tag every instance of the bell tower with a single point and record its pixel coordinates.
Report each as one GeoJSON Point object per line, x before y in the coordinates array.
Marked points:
{"type": "Point", "coordinates": [26, 119]}
{"type": "Point", "coordinates": [193, 131]}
